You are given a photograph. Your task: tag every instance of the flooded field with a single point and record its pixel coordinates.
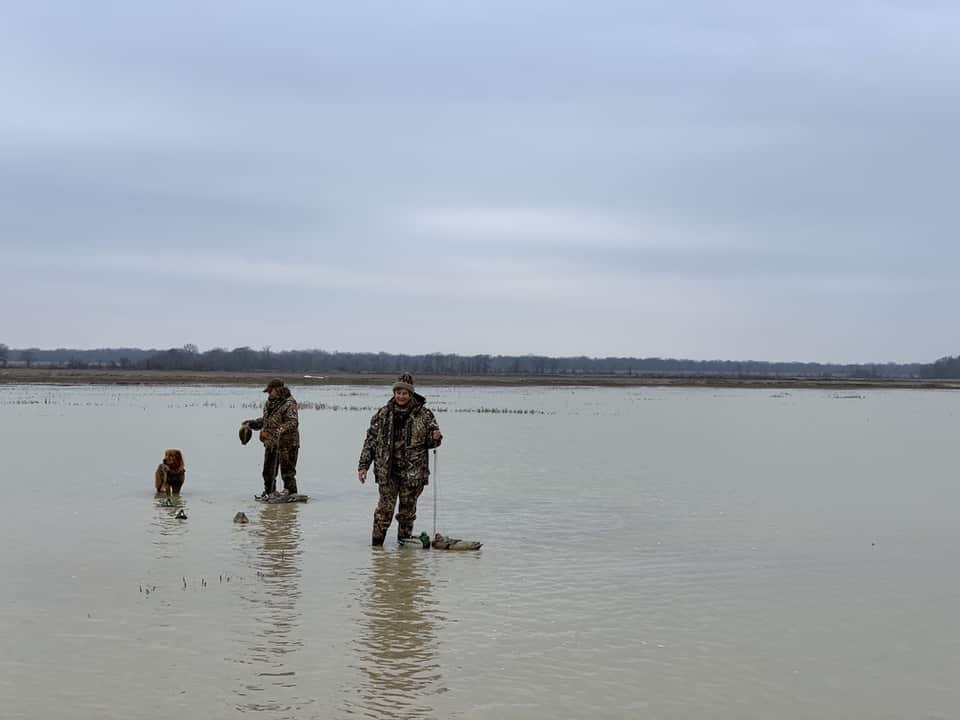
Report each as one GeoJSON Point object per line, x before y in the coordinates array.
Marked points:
{"type": "Point", "coordinates": [649, 552]}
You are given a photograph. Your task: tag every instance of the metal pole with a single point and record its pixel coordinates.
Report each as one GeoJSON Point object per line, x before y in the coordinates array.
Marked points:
{"type": "Point", "coordinates": [276, 465]}
{"type": "Point", "coordinates": [435, 492]}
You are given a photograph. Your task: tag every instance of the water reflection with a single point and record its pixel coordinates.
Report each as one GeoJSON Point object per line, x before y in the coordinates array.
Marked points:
{"type": "Point", "coordinates": [396, 651]}
{"type": "Point", "coordinates": [168, 532]}
{"type": "Point", "coordinates": [272, 549]}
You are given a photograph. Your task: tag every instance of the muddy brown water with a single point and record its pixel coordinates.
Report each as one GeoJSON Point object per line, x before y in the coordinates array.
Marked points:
{"type": "Point", "coordinates": [649, 552]}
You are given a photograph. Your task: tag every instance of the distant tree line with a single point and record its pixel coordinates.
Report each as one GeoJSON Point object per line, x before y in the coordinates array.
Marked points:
{"type": "Point", "coordinates": [80, 359]}
{"type": "Point", "coordinates": [247, 359]}
{"type": "Point", "coordinates": [945, 367]}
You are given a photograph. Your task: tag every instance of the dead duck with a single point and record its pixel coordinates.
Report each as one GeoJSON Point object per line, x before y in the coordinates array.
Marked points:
{"type": "Point", "coordinates": [240, 517]}
{"type": "Point", "coordinates": [441, 542]}
{"type": "Point", "coordinates": [245, 434]}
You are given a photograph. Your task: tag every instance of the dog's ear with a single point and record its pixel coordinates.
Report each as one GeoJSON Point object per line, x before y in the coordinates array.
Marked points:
{"type": "Point", "coordinates": [179, 458]}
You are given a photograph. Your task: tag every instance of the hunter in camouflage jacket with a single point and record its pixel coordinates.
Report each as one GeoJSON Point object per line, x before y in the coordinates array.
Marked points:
{"type": "Point", "coordinates": [407, 440]}
{"type": "Point", "coordinates": [280, 420]}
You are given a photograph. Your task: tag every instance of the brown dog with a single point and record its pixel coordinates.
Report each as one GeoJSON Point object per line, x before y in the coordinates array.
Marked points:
{"type": "Point", "coordinates": [170, 473]}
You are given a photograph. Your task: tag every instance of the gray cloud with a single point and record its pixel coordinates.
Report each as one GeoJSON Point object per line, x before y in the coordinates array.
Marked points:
{"type": "Point", "coordinates": [749, 179]}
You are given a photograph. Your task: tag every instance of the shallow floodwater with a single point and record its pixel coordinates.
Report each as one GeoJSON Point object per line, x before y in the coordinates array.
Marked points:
{"type": "Point", "coordinates": [649, 553]}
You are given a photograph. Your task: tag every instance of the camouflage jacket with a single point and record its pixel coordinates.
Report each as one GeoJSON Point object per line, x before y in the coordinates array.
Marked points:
{"type": "Point", "coordinates": [417, 434]}
{"type": "Point", "coordinates": [280, 419]}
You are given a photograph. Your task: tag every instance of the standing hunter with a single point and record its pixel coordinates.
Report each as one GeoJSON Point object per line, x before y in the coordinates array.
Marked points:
{"type": "Point", "coordinates": [279, 428]}
{"type": "Point", "coordinates": [400, 434]}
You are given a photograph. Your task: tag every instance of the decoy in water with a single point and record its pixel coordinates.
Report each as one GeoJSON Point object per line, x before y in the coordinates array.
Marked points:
{"type": "Point", "coordinates": [441, 542]}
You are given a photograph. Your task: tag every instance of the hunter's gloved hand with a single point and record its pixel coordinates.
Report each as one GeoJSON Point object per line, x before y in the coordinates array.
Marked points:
{"type": "Point", "coordinates": [264, 436]}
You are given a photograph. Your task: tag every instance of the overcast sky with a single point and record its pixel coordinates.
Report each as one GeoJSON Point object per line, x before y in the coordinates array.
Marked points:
{"type": "Point", "coordinates": [740, 180]}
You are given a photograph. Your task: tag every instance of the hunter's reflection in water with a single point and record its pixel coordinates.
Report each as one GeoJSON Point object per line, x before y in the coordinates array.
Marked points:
{"type": "Point", "coordinates": [395, 662]}
{"type": "Point", "coordinates": [272, 631]}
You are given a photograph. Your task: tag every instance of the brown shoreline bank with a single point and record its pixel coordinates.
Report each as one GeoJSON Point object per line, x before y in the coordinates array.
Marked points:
{"type": "Point", "coordinates": [63, 376]}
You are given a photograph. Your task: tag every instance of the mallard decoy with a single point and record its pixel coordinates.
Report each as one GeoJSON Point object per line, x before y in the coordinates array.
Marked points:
{"type": "Point", "coordinates": [240, 517]}
{"type": "Point", "coordinates": [421, 540]}
{"type": "Point", "coordinates": [441, 542]}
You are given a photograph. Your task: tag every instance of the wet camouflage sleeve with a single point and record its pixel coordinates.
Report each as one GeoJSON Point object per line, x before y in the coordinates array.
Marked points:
{"type": "Point", "coordinates": [269, 408]}
{"type": "Point", "coordinates": [431, 425]}
{"type": "Point", "coordinates": [370, 445]}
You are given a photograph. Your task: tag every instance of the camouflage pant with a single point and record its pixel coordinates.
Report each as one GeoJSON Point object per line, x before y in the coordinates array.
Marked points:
{"type": "Point", "coordinates": [407, 512]}
{"type": "Point", "coordinates": [284, 461]}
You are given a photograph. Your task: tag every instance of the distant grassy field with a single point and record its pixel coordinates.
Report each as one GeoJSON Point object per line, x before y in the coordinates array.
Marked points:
{"type": "Point", "coordinates": [60, 376]}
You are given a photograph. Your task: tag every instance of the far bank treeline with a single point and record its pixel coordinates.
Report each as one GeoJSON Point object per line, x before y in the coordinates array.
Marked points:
{"type": "Point", "coordinates": [246, 359]}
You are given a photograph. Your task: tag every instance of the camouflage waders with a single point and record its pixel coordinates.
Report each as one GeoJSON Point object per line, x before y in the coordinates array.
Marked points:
{"type": "Point", "coordinates": [283, 459]}
{"type": "Point", "coordinates": [408, 494]}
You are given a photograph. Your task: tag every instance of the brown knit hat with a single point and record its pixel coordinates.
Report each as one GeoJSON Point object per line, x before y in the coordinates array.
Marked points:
{"type": "Point", "coordinates": [404, 382]}
{"type": "Point", "coordinates": [275, 383]}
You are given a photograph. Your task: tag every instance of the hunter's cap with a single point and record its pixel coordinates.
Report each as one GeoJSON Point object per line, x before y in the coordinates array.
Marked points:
{"type": "Point", "coordinates": [275, 383]}
{"type": "Point", "coordinates": [404, 382]}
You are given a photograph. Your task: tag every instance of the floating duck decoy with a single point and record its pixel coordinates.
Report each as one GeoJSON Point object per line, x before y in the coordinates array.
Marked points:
{"type": "Point", "coordinates": [421, 540]}
{"type": "Point", "coordinates": [240, 517]}
{"type": "Point", "coordinates": [441, 542]}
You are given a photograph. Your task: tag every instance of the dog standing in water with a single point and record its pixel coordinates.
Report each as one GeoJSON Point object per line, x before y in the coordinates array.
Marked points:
{"type": "Point", "coordinates": [170, 473]}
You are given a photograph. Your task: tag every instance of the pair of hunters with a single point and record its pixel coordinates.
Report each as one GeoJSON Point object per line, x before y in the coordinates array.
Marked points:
{"type": "Point", "coordinates": [396, 444]}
